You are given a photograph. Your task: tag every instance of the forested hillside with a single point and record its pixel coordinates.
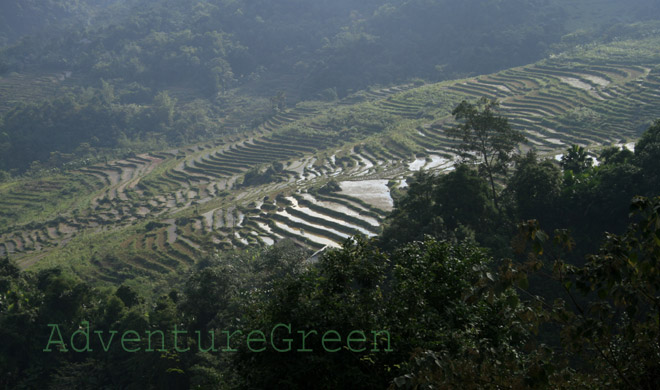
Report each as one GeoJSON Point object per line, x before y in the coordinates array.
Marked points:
{"type": "Point", "coordinates": [324, 44]}
{"type": "Point", "coordinates": [20, 18]}
{"type": "Point", "coordinates": [303, 194]}
{"type": "Point", "coordinates": [117, 58]}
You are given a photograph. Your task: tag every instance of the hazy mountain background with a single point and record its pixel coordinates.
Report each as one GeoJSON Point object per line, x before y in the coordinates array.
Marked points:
{"type": "Point", "coordinates": [345, 45]}
{"type": "Point", "coordinates": [161, 55]}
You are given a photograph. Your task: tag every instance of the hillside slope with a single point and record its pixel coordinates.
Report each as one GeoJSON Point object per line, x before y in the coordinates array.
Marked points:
{"type": "Point", "coordinates": [154, 214]}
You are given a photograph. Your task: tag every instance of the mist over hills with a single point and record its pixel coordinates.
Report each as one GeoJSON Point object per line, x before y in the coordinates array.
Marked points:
{"type": "Point", "coordinates": [211, 55]}
{"type": "Point", "coordinates": [342, 44]}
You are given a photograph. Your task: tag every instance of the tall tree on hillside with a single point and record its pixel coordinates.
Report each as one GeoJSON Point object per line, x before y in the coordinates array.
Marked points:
{"type": "Point", "coordinates": [535, 186]}
{"type": "Point", "coordinates": [647, 151]}
{"type": "Point", "coordinates": [486, 138]}
{"type": "Point", "coordinates": [576, 159]}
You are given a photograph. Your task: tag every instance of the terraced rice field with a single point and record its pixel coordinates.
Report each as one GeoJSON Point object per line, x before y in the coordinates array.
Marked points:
{"type": "Point", "coordinates": [17, 87]}
{"type": "Point", "coordinates": [267, 184]}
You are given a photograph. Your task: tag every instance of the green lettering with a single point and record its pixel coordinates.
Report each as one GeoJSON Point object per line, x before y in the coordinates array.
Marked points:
{"type": "Point", "coordinates": [84, 331]}
{"type": "Point", "coordinates": [362, 339]}
{"type": "Point", "coordinates": [176, 344]}
{"type": "Point", "coordinates": [333, 340]}
{"type": "Point", "coordinates": [304, 338]}
{"type": "Point", "coordinates": [162, 341]}
{"type": "Point", "coordinates": [272, 338]}
{"type": "Point", "coordinates": [62, 348]}
{"type": "Point", "coordinates": [388, 349]}
{"type": "Point", "coordinates": [124, 339]}
{"type": "Point", "coordinates": [112, 335]}
{"type": "Point", "coordinates": [261, 339]}
{"type": "Point", "coordinates": [199, 342]}
{"type": "Point", "coordinates": [229, 336]}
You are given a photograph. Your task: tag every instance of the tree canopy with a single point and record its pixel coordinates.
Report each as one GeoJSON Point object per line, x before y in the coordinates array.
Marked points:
{"type": "Point", "coordinates": [486, 138]}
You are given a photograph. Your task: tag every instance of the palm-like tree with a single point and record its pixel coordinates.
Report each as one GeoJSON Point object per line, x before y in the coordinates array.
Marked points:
{"type": "Point", "coordinates": [576, 159]}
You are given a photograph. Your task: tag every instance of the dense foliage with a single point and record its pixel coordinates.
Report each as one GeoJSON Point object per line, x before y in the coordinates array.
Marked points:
{"type": "Point", "coordinates": [24, 17]}
{"type": "Point", "coordinates": [573, 195]}
{"type": "Point", "coordinates": [79, 126]}
{"type": "Point", "coordinates": [340, 44]}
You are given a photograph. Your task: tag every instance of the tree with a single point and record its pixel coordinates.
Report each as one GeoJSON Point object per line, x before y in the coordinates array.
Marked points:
{"type": "Point", "coordinates": [465, 326]}
{"type": "Point", "coordinates": [414, 214]}
{"type": "Point", "coordinates": [462, 199]}
{"type": "Point", "coordinates": [614, 155]}
{"type": "Point", "coordinates": [613, 325]}
{"type": "Point", "coordinates": [610, 325]}
{"type": "Point", "coordinates": [452, 207]}
{"type": "Point", "coordinates": [576, 159]}
{"type": "Point", "coordinates": [485, 137]}
{"type": "Point", "coordinates": [164, 107]}
{"type": "Point", "coordinates": [278, 102]}
{"type": "Point", "coordinates": [535, 186]}
{"type": "Point", "coordinates": [343, 292]}
{"type": "Point", "coordinates": [647, 153]}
